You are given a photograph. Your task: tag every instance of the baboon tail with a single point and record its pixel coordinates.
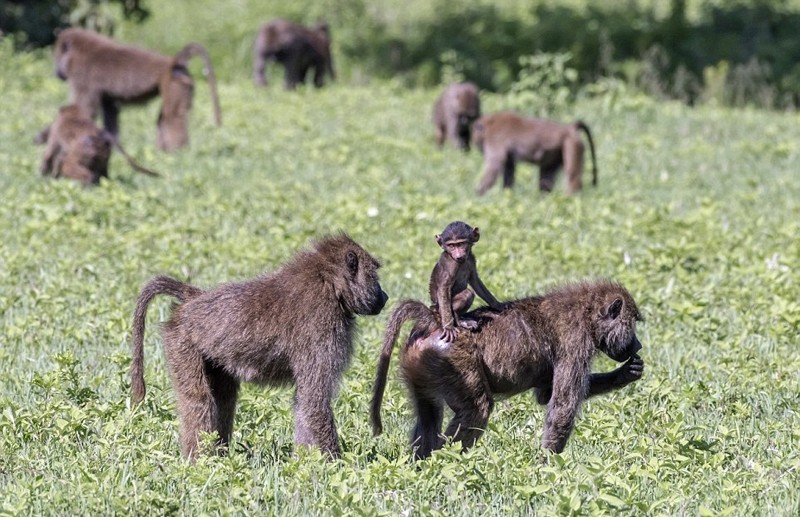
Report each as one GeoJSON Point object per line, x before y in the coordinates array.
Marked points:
{"type": "Point", "coordinates": [405, 310]}
{"type": "Point", "coordinates": [581, 125]}
{"type": "Point", "coordinates": [133, 163]}
{"type": "Point", "coordinates": [182, 58]}
{"type": "Point", "coordinates": [156, 286]}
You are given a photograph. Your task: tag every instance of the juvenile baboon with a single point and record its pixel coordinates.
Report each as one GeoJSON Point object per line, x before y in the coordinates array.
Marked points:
{"type": "Point", "coordinates": [297, 48]}
{"type": "Point", "coordinates": [506, 138]}
{"type": "Point", "coordinates": [454, 272]}
{"type": "Point", "coordinates": [76, 148]}
{"type": "Point", "coordinates": [294, 325]}
{"type": "Point", "coordinates": [454, 112]}
{"type": "Point", "coordinates": [542, 342]}
{"type": "Point", "coordinates": [102, 74]}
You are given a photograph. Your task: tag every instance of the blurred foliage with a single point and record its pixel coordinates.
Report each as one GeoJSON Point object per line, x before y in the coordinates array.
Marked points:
{"type": "Point", "coordinates": [33, 23]}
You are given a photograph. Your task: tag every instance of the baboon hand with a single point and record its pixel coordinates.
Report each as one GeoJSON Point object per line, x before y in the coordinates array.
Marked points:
{"type": "Point", "coordinates": [631, 371]}
{"type": "Point", "coordinates": [468, 324]}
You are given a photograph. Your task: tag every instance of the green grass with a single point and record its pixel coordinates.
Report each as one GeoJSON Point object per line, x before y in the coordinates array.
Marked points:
{"type": "Point", "coordinates": [697, 212]}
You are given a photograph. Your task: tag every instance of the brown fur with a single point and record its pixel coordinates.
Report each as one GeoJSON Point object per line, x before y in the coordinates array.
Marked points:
{"type": "Point", "coordinates": [454, 112]}
{"type": "Point", "coordinates": [293, 326]}
{"type": "Point", "coordinates": [507, 138]}
{"type": "Point", "coordinates": [454, 272]}
{"type": "Point", "coordinates": [545, 343]}
{"type": "Point", "coordinates": [298, 48]}
{"type": "Point", "coordinates": [102, 74]}
{"type": "Point", "coordinates": [76, 148]}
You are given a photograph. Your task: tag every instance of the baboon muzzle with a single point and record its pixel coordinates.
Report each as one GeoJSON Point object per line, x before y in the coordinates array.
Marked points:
{"type": "Point", "coordinates": [635, 346]}
{"type": "Point", "coordinates": [380, 303]}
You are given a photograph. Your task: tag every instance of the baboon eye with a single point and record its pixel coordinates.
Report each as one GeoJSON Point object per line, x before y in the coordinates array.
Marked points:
{"type": "Point", "coordinates": [352, 262]}
{"type": "Point", "coordinates": [614, 309]}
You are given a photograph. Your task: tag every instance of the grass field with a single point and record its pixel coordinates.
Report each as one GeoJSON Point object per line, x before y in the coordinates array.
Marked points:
{"type": "Point", "coordinates": [697, 212]}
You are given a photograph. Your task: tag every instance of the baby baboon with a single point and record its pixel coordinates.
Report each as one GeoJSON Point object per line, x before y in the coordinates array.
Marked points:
{"type": "Point", "coordinates": [102, 74]}
{"type": "Point", "coordinates": [454, 112]}
{"type": "Point", "coordinates": [297, 48]}
{"type": "Point", "coordinates": [542, 342]}
{"type": "Point", "coordinates": [294, 325]}
{"type": "Point", "coordinates": [451, 277]}
{"type": "Point", "coordinates": [76, 148]}
{"type": "Point", "coordinates": [506, 138]}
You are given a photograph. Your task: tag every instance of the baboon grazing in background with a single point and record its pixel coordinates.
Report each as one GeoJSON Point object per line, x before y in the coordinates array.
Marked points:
{"type": "Point", "coordinates": [541, 342]}
{"type": "Point", "coordinates": [454, 112]}
{"type": "Point", "coordinates": [298, 48]}
{"type": "Point", "coordinates": [454, 272]}
{"type": "Point", "coordinates": [102, 74]}
{"type": "Point", "coordinates": [292, 326]}
{"type": "Point", "coordinates": [76, 148]}
{"type": "Point", "coordinates": [506, 138]}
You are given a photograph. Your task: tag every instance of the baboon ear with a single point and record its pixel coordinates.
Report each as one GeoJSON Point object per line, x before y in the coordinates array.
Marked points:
{"type": "Point", "coordinates": [614, 309]}
{"type": "Point", "coordinates": [476, 234]}
{"type": "Point", "coordinates": [438, 238]}
{"type": "Point", "coordinates": [352, 262]}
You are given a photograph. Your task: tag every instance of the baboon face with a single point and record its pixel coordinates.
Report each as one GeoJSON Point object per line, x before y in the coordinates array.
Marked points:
{"type": "Point", "coordinates": [361, 292]}
{"type": "Point", "coordinates": [61, 56]}
{"type": "Point", "coordinates": [616, 328]}
{"type": "Point", "coordinates": [457, 240]}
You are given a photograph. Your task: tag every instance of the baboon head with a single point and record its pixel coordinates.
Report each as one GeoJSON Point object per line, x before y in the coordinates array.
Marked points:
{"type": "Point", "coordinates": [457, 240]}
{"type": "Point", "coordinates": [173, 119]}
{"type": "Point", "coordinates": [323, 28]}
{"type": "Point", "coordinates": [353, 273]}
{"type": "Point", "coordinates": [61, 54]}
{"type": "Point", "coordinates": [615, 324]}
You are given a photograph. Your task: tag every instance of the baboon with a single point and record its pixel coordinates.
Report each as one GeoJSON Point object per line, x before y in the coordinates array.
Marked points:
{"type": "Point", "coordinates": [297, 48]}
{"type": "Point", "coordinates": [103, 74]}
{"type": "Point", "coordinates": [76, 148]}
{"type": "Point", "coordinates": [292, 326]}
{"type": "Point", "coordinates": [506, 138]}
{"type": "Point", "coordinates": [454, 272]}
{"type": "Point", "coordinates": [454, 112]}
{"type": "Point", "coordinates": [542, 342]}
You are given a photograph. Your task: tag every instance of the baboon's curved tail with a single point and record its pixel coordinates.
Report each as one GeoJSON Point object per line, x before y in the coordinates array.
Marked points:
{"type": "Point", "coordinates": [133, 163]}
{"type": "Point", "coordinates": [404, 311]}
{"type": "Point", "coordinates": [182, 58]}
{"type": "Point", "coordinates": [581, 125]}
{"type": "Point", "coordinates": [158, 285]}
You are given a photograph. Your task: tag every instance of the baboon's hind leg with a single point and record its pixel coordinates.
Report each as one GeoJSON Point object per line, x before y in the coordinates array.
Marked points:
{"type": "Point", "coordinates": [224, 389]}
{"type": "Point", "coordinates": [195, 401]}
{"type": "Point", "coordinates": [426, 436]}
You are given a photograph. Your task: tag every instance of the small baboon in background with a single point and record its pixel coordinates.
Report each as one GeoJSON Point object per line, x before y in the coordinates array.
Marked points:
{"type": "Point", "coordinates": [454, 272]}
{"type": "Point", "coordinates": [454, 112]}
{"type": "Point", "coordinates": [545, 343]}
{"type": "Point", "coordinates": [102, 74]}
{"type": "Point", "coordinates": [293, 326]}
{"type": "Point", "coordinates": [298, 48]}
{"type": "Point", "coordinates": [506, 138]}
{"type": "Point", "coordinates": [76, 148]}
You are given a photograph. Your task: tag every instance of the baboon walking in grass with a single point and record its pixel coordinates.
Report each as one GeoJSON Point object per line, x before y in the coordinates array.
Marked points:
{"type": "Point", "coordinates": [294, 326]}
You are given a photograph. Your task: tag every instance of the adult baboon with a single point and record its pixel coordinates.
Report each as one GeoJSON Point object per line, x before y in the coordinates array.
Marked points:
{"type": "Point", "coordinates": [506, 138]}
{"type": "Point", "coordinates": [294, 325]}
{"type": "Point", "coordinates": [451, 278]}
{"type": "Point", "coordinates": [542, 342]}
{"type": "Point", "coordinates": [76, 148]}
{"type": "Point", "coordinates": [297, 48]}
{"type": "Point", "coordinates": [454, 112]}
{"type": "Point", "coordinates": [102, 74]}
